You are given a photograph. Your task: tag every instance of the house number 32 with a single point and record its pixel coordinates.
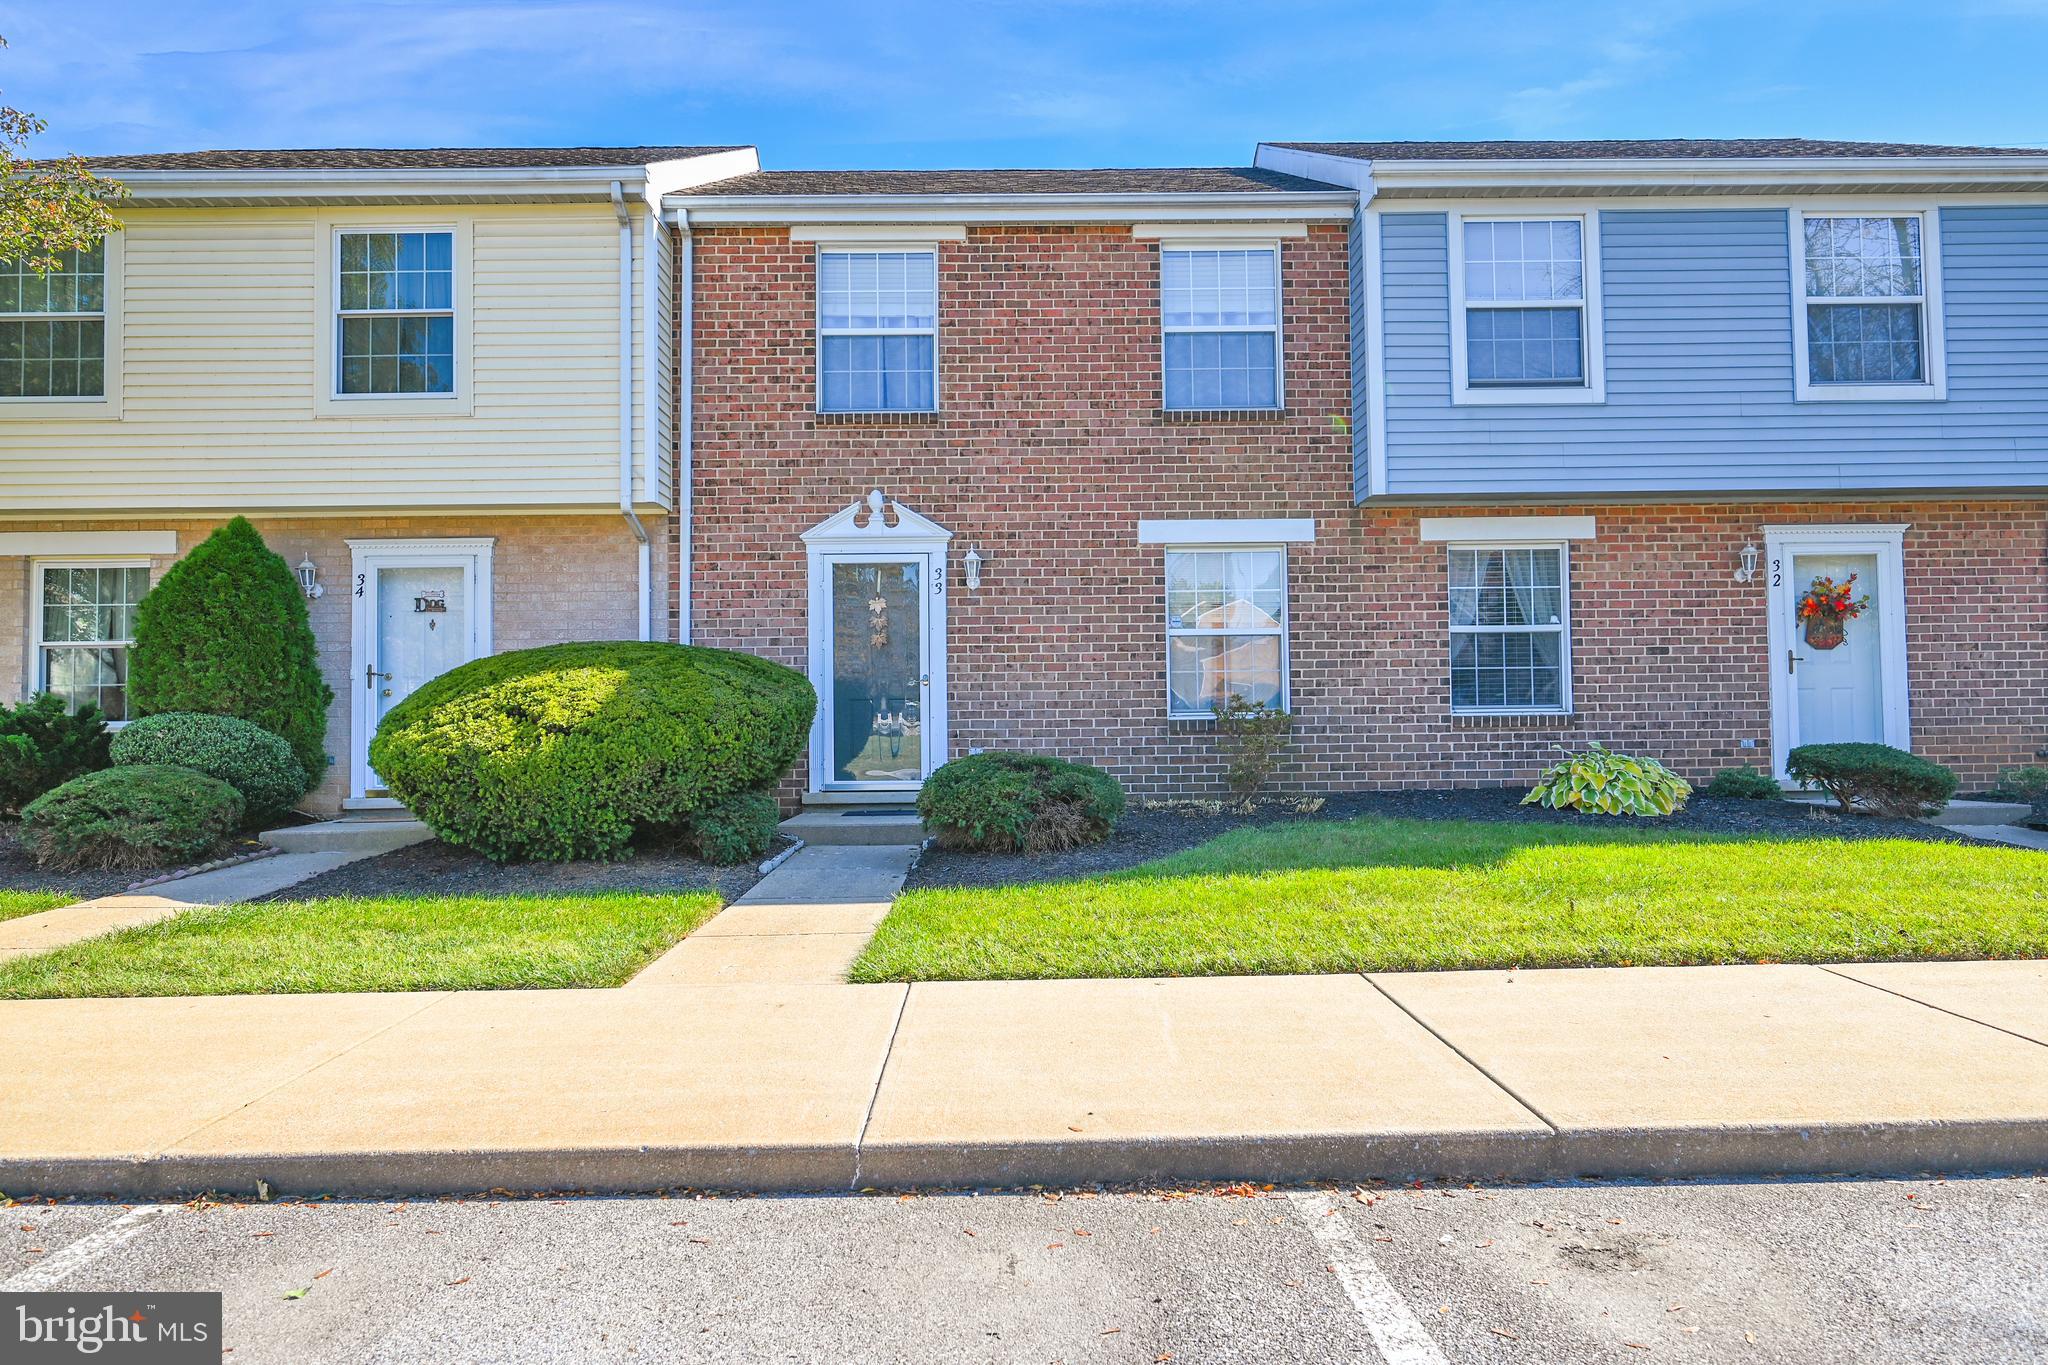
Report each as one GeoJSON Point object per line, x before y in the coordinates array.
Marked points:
{"type": "Point", "coordinates": [1777, 573]}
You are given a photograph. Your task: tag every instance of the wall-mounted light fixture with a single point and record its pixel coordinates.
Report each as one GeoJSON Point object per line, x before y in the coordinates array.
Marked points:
{"type": "Point", "coordinates": [971, 562]}
{"type": "Point", "coordinates": [309, 579]}
{"type": "Point", "coordinates": [1747, 573]}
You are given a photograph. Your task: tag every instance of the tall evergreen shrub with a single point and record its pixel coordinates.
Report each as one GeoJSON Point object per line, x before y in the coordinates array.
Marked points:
{"type": "Point", "coordinates": [225, 632]}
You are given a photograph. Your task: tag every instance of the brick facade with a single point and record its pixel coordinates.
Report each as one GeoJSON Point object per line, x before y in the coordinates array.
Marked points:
{"type": "Point", "coordinates": [555, 578]}
{"type": "Point", "coordinates": [1050, 447]}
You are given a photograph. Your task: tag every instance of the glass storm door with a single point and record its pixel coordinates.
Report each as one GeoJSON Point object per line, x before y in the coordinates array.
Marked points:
{"type": "Point", "coordinates": [1837, 671]}
{"type": "Point", "coordinates": [880, 673]}
{"type": "Point", "coordinates": [419, 626]}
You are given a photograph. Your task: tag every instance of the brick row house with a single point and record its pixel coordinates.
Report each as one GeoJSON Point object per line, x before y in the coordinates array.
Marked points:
{"type": "Point", "coordinates": [1459, 452]}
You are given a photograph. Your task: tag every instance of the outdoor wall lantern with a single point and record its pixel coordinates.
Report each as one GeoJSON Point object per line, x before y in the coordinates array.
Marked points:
{"type": "Point", "coordinates": [309, 579]}
{"type": "Point", "coordinates": [1747, 573]}
{"type": "Point", "coordinates": [972, 564]}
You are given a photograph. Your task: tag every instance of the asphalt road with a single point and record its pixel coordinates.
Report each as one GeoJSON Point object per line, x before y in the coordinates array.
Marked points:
{"type": "Point", "coordinates": [1793, 1271]}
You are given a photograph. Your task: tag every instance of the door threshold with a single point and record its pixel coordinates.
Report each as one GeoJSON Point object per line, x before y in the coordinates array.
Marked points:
{"type": "Point", "coordinates": [900, 797]}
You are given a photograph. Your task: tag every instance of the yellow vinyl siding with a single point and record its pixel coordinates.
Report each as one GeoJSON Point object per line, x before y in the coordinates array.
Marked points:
{"type": "Point", "coordinates": [224, 403]}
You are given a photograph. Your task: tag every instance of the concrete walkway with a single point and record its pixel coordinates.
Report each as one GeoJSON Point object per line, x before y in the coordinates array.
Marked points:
{"type": "Point", "coordinates": [802, 924]}
{"type": "Point", "coordinates": [1540, 1074]}
{"type": "Point", "coordinates": [54, 928]}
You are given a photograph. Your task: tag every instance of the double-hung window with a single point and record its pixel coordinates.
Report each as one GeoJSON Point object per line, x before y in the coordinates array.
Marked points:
{"type": "Point", "coordinates": [1866, 306]}
{"type": "Point", "coordinates": [1226, 628]}
{"type": "Point", "coordinates": [395, 330]}
{"type": "Point", "coordinates": [1219, 315]}
{"type": "Point", "coordinates": [84, 623]}
{"type": "Point", "coordinates": [878, 331]}
{"type": "Point", "coordinates": [53, 328]}
{"type": "Point", "coordinates": [1510, 629]}
{"type": "Point", "coordinates": [1525, 324]}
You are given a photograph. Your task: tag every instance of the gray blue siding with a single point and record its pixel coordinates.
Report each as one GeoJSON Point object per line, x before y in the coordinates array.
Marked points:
{"type": "Point", "coordinates": [1698, 319]}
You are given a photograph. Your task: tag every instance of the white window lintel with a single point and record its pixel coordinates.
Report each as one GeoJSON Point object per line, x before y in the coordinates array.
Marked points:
{"type": "Point", "coordinates": [88, 543]}
{"type": "Point", "coordinates": [1249, 531]}
{"type": "Point", "coordinates": [878, 234]}
{"type": "Point", "coordinates": [1505, 530]}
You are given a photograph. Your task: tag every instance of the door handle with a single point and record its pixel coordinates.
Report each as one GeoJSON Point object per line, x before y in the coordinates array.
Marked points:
{"type": "Point", "coordinates": [925, 681]}
{"type": "Point", "coordinates": [1791, 661]}
{"type": "Point", "coordinates": [370, 676]}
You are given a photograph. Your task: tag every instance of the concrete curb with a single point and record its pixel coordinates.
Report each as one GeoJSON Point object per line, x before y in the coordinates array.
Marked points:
{"type": "Point", "coordinates": [1693, 1152]}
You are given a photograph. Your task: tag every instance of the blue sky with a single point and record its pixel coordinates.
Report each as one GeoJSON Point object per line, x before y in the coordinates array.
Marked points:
{"type": "Point", "coordinates": [828, 83]}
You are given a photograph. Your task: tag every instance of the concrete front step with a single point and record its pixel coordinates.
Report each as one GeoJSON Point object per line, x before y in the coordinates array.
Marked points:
{"type": "Point", "coordinates": [868, 826]}
{"type": "Point", "coordinates": [359, 835]}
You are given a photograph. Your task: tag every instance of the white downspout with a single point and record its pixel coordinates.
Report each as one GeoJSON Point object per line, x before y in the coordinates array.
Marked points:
{"type": "Point", "coordinates": [686, 419]}
{"type": "Point", "coordinates": [646, 552]}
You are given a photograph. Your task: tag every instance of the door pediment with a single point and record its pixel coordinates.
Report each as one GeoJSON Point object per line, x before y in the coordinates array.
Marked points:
{"type": "Point", "coordinates": [876, 522]}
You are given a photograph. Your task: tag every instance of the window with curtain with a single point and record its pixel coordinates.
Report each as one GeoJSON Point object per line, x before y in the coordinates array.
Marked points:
{"type": "Point", "coordinates": [1226, 628]}
{"type": "Point", "coordinates": [1525, 302]}
{"type": "Point", "coordinates": [53, 328]}
{"type": "Point", "coordinates": [878, 331]}
{"type": "Point", "coordinates": [1219, 314]}
{"type": "Point", "coordinates": [1865, 287]}
{"type": "Point", "coordinates": [1510, 629]}
{"type": "Point", "coordinates": [85, 623]}
{"type": "Point", "coordinates": [396, 319]}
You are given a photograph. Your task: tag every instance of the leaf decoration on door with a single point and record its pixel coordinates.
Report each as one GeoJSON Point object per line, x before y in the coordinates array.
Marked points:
{"type": "Point", "coordinates": [1827, 609]}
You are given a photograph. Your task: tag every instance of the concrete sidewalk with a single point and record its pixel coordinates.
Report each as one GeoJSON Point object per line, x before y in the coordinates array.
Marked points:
{"type": "Point", "coordinates": [1649, 1071]}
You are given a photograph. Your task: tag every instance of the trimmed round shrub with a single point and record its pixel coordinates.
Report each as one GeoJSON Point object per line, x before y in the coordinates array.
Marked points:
{"type": "Point", "coordinates": [734, 828]}
{"type": "Point", "coordinates": [565, 751]}
{"type": "Point", "coordinates": [1875, 776]}
{"type": "Point", "coordinates": [247, 757]}
{"type": "Point", "coordinates": [1003, 802]}
{"type": "Point", "coordinates": [1743, 784]}
{"type": "Point", "coordinates": [224, 631]}
{"type": "Point", "coordinates": [147, 815]}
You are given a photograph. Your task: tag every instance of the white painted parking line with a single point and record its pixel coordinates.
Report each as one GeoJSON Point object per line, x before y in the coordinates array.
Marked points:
{"type": "Point", "coordinates": [1394, 1327]}
{"type": "Point", "coordinates": [53, 1270]}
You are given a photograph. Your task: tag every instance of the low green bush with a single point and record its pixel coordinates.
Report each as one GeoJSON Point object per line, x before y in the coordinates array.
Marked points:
{"type": "Point", "coordinates": [1743, 784]}
{"type": "Point", "coordinates": [147, 815]}
{"type": "Point", "coordinates": [247, 757]}
{"type": "Point", "coordinates": [2026, 783]}
{"type": "Point", "coordinates": [1002, 802]}
{"type": "Point", "coordinates": [565, 751]}
{"type": "Point", "coordinates": [1253, 737]}
{"type": "Point", "coordinates": [1873, 777]}
{"type": "Point", "coordinates": [44, 744]}
{"type": "Point", "coordinates": [733, 828]}
{"type": "Point", "coordinates": [1602, 782]}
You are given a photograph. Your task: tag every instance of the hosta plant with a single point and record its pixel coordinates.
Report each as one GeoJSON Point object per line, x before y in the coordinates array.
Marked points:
{"type": "Point", "coordinates": [1602, 782]}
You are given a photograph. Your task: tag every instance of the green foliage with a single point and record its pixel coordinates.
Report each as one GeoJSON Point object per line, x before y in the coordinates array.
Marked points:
{"type": "Point", "coordinates": [248, 758]}
{"type": "Point", "coordinates": [225, 632]}
{"type": "Point", "coordinates": [1877, 776]}
{"type": "Point", "coordinates": [49, 205]}
{"type": "Point", "coordinates": [564, 751]}
{"type": "Point", "coordinates": [1003, 802]}
{"type": "Point", "coordinates": [732, 829]}
{"type": "Point", "coordinates": [1602, 782]}
{"type": "Point", "coordinates": [149, 815]}
{"type": "Point", "coordinates": [43, 745]}
{"type": "Point", "coordinates": [1253, 735]}
{"type": "Point", "coordinates": [1743, 784]}
{"type": "Point", "coordinates": [2026, 783]}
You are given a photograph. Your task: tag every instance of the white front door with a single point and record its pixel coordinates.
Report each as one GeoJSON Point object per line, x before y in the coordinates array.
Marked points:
{"type": "Point", "coordinates": [1838, 682]}
{"type": "Point", "coordinates": [420, 609]}
{"type": "Point", "coordinates": [878, 671]}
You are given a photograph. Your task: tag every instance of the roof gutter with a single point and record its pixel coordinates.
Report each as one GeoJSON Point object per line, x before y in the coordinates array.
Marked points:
{"type": "Point", "coordinates": [646, 550]}
{"type": "Point", "coordinates": [1289, 206]}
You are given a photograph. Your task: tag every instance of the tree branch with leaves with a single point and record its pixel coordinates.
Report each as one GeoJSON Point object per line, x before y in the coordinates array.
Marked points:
{"type": "Point", "coordinates": [48, 207]}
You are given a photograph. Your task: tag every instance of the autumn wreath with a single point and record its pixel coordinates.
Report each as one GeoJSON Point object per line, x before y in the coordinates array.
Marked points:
{"type": "Point", "coordinates": [1827, 608]}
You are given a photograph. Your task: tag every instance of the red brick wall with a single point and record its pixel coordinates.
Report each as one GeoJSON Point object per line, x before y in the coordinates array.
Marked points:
{"type": "Point", "coordinates": [1051, 447]}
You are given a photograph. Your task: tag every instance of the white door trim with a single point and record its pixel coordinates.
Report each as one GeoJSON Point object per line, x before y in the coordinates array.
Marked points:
{"type": "Point", "coordinates": [864, 533]}
{"type": "Point", "coordinates": [1887, 542]}
{"type": "Point", "coordinates": [473, 557]}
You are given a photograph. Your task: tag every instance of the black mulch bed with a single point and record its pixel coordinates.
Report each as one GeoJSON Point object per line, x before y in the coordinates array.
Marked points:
{"type": "Point", "coordinates": [1143, 835]}
{"type": "Point", "coordinates": [18, 872]}
{"type": "Point", "coordinates": [437, 869]}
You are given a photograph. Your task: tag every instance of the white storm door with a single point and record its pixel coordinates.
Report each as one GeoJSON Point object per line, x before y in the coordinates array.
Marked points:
{"type": "Point", "coordinates": [417, 614]}
{"type": "Point", "coordinates": [1838, 688]}
{"type": "Point", "coordinates": [877, 686]}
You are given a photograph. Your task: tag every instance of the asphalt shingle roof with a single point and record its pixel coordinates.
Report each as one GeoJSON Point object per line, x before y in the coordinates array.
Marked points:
{"type": "Point", "coordinates": [1741, 147]}
{"type": "Point", "coordinates": [398, 158]}
{"type": "Point", "coordinates": [1181, 180]}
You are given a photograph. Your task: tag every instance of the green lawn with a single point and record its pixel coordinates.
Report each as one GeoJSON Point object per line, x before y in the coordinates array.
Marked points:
{"type": "Point", "coordinates": [14, 904]}
{"type": "Point", "coordinates": [1376, 894]}
{"type": "Point", "coordinates": [413, 944]}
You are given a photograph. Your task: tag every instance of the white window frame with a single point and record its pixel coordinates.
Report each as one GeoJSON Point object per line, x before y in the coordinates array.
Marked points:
{"type": "Point", "coordinates": [337, 314]}
{"type": "Point", "coordinates": [328, 399]}
{"type": "Point", "coordinates": [1934, 358]}
{"type": "Point", "coordinates": [1283, 630]}
{"type": "Point", "coordinates": [37, 676]}
{"type": "Point", "coordinates": [107, 402]}
{"type": "Point", "coordinates": [1278, 328]}
{"type": "Point", "coordinates": [819, 331]}
{"type": "Point", "coordinates": [1563, 628]}
{"type": "Point", "coordinates": [1592, 332]}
